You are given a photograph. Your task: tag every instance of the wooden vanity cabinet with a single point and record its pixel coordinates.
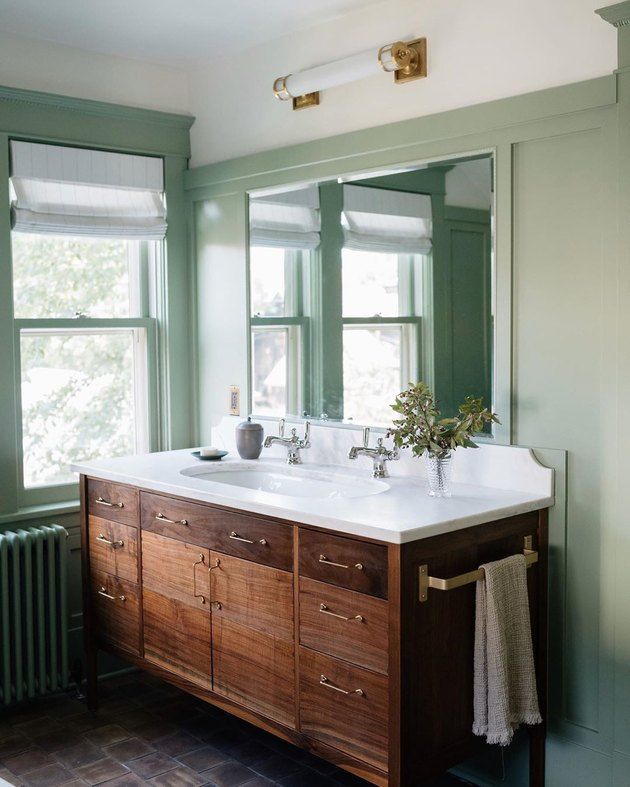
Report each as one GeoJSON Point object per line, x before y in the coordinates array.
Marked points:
{"type": "Point", "coordinates": [318, 637]}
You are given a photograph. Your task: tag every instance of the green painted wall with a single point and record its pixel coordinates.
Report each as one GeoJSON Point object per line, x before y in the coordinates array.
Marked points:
{"type": "Point", "coordinates": [562, 370]}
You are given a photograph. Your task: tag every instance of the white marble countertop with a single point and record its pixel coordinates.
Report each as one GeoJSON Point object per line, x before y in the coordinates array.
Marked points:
{"type": "Point", "coordinates": [403, 512]}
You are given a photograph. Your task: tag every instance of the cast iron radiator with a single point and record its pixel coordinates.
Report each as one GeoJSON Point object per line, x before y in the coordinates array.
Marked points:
{"type": "Point", "coordinates": [33, 612]}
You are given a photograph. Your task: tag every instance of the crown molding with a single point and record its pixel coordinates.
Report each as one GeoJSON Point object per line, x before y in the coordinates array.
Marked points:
{"type": "Point", "coordinates": [617, 15]}
{"type": "Point", "coordinates": [95, 108]}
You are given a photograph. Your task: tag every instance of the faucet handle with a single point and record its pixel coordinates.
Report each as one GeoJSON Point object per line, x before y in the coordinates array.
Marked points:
{"type": "Point", "coordinates": [307, 433]}
{"type": "Point", "coordinates": [366, 436]}
{"type": "Point", "coordinates": [281, 423]}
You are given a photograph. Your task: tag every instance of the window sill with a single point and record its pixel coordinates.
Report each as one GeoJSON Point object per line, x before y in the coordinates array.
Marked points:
{"type": "Point", "coordinates": [39, 511]}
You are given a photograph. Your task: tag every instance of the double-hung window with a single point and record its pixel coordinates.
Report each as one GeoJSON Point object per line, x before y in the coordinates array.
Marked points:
{"type": "Point", "coordinates": [86, 240]}
{"type": "Point", "coordinates": [284, 230]}
{"type": "Point", "coordinates": [386, 266]}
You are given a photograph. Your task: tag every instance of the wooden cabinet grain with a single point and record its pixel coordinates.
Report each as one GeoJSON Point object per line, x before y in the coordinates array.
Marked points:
{"type": "Point", "coordinates": [176, 607]}
{"type": "Point", "coordinates": [315, 636]}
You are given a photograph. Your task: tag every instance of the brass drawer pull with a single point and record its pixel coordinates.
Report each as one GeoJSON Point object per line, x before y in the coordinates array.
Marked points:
{"type": "Point", "coordinates": [324, 610]}
{"type": "Point", "coordinates": [323, 681]}
{"type": "Point", "coordinates": [101, 501]}
{"type": "Point", "coordinates": [103, 592]}
{"type": "Point", "coordinates": [161, 518]}
{"type": "Point", "coordinates": [195, 594]}
{"type": "Point", "coordinates": [234, 535]}
{"type": "Point", "coordinates": [112, 544]}
{"type": "Point", "coordinates": [324, 559]}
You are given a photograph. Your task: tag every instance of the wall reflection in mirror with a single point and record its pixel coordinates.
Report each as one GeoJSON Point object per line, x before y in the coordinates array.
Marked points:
{"type": "Point", "coordinates": [361, 286]}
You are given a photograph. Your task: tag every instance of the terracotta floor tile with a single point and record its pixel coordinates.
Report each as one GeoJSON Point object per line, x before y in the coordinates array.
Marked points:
{"type": "Point", "coordinates": [13, 744]}
{"type": "Point", "coordinates": [101, 771]}
{"type": "Point", "coordinates": [229, 774]}
{"type": "Point", "coordinates": [177, 744]}
{"type": "Point", "coordinates": [152, 765]}
{"type": "Point", "coordinates": [28, 760]}
{"type": "Point", "coordinates": [179, 777]}
{"type": "Point", "coordinates": [130, 749]}
{"type": "Point", "coordinates": [204, 758]}
{"type": "Point", "coordinates": [49, 776]}
{"type": "Point", "coordinates": [106, 736]}
{"type": "Point", "coordinates": [82, 753]}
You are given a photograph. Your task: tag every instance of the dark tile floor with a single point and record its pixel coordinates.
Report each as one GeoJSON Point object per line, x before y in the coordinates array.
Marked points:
{"type": "Point", "coordinates": [147, 732]}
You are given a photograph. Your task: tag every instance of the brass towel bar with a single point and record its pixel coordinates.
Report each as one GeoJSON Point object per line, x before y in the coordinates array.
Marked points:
{"type": "Point", "coordinates": [426, 581]}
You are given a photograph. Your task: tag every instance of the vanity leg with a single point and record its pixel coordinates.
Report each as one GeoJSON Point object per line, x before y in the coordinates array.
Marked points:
{"type": "Point", "coordinates": [91, 677]}
{"type": "Point", "coordinates": [537, 736]}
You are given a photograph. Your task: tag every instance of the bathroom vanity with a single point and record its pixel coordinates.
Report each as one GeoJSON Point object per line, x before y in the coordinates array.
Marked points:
{"type": "Point", "coordinates": [322, 619]}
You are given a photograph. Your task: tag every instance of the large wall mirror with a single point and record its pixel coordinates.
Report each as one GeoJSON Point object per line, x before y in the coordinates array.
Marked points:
{"type": "Point", "coordinates": [361, 285]}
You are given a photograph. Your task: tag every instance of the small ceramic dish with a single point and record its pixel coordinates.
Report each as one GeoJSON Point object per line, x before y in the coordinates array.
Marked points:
{"type": "Point", "coordinates": [217, 457]}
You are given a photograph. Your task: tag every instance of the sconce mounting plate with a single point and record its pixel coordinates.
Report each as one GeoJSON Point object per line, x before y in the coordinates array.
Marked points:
{"type": "Point", "coordinates": [307, 100]}
{"type": "Point", "coordinates": [402, 75]}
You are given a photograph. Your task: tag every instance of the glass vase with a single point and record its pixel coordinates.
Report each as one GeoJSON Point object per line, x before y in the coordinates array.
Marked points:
{"type": "Point", "coordinates": [438, 473]}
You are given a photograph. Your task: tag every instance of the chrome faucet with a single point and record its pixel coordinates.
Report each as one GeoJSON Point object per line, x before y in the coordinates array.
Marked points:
{"type": "Point", "coordinates": [379, 455]}
{"type": "Point", "coordinates": [293, 444]}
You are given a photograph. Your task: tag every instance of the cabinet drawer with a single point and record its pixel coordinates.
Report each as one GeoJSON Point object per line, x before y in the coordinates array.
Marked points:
{"type": "Point", "coordinates": [344, 706]}
{"type": "Point", "coordinates": [254, 669]}
{"type": "Point", "coordinates": [236, 534]}
{"type": "Point", "coordinates": [116, 611]}
{"type": "Point", "coordinates": [352, 564]}
{"type": "Point", "coordinates": [113, 548]}
{"type": "Point", "coordinates": [259, 597]}
{"type": "Point", "coordinates": [113, 501]}
{"type": "Point", "coordinates": [344, 623]}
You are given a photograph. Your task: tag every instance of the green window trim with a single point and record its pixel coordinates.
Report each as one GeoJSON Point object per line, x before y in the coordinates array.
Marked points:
{"type": "Point", "coordinates": [48, 118]}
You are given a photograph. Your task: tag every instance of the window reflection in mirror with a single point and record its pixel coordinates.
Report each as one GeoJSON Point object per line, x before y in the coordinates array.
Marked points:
{"type": "Point", "coordinates": [359, 288]}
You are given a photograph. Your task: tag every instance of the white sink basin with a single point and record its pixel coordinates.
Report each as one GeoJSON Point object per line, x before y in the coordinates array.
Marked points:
{"type": "Point", "coordinates": [288, 481]}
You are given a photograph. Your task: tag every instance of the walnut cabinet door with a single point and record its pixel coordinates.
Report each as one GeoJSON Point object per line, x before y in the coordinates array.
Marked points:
{"type": "Point", "coordinates": [176, 605]}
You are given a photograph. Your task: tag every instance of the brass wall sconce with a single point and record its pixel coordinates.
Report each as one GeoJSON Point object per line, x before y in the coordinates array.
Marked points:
{"type": "Point", "coordinates": [407, 60]}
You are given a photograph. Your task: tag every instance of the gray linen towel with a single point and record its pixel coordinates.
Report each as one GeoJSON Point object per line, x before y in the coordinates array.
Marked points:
{"type": "Point", "coordinates": [505, 680]}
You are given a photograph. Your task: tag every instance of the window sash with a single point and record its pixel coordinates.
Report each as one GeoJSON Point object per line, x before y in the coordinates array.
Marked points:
{"type": "Point", "coordinates": [145, 397]}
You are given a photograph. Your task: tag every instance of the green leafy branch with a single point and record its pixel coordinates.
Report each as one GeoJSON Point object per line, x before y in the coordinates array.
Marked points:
{"type": "Point", "coordinates": [421, 428]}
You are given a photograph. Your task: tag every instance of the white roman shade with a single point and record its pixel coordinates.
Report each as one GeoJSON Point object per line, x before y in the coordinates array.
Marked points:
{"type": "Point", "coordinates": [288, 220]}
{"type": "Point", "coordinates": [386, 221]}
{"type": "Point", "coordinates": [73, 191]}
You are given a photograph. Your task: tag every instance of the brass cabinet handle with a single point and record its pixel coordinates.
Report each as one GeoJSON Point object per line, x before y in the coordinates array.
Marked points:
{"type": "Point", "coordinates": [326, 611]}
{"type": "Point", "coordinates": [217, 564]}
{"type": "Point", "coordinates": [195, 594]}
{"type": "Point", "coordinates": [161, 518]}
{"type": "Point", "coordinates": [323, 681]}
{"type": "Point", "coordinates": [234, 535]}
{"type": "Point", "coordinates": [101, 501]}
{"type": "Point", "coordinates": [103, 592]}
{"type": "Point", "coordinates": [324, 559]}
{"type": "Point", "coordinates": [112, 544]}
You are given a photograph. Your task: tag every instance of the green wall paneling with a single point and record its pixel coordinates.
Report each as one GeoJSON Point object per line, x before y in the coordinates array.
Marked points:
{"type": "Point", "coordinates": [562, 296]}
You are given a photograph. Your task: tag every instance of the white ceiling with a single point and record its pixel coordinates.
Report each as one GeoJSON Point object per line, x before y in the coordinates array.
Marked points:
{"type": "Point", "coordinates": [171, 31]}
